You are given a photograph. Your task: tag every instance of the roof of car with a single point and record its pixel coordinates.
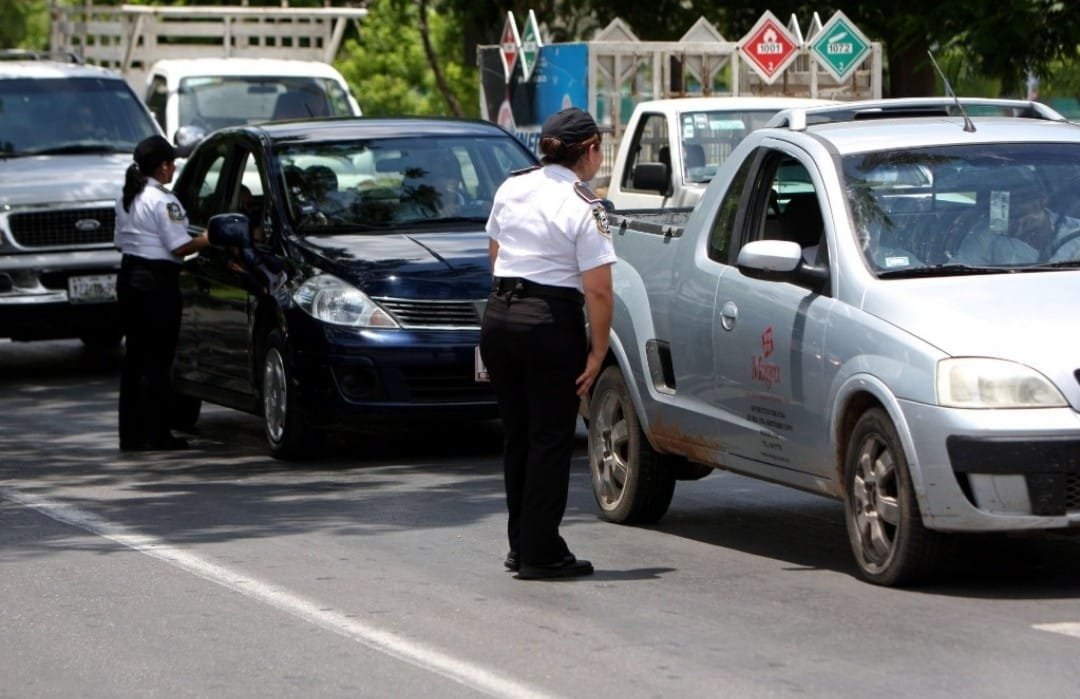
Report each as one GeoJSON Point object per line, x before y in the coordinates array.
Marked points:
{"type": "Point", "coordinates": [857, 127]}
{"type": "Point", "coordinates": [179, 68]}
{"type": "Point", "coordinates": [345, 128]}
{"type": "Point", "coordinates": [45, 69]}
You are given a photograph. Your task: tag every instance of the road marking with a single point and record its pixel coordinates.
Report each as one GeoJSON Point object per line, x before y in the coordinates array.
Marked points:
{"type": "Point", "coordinates": [386, 642]}
{"type": "Point", "coordinates": [1067, 628]}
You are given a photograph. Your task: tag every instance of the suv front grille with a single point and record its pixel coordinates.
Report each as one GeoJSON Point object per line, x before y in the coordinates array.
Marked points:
{"type": "Point", "coordinates": [1072, 492]}
{"type": "Point", "coordinates": [412, 313]}
{"type": "Point", "coordinates": [63, 228]}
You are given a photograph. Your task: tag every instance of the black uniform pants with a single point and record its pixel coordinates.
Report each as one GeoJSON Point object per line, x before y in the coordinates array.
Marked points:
{"type": "Point", "coordinates": [149, 295]}
{"type": "Point", "coordinates": [534, 349]}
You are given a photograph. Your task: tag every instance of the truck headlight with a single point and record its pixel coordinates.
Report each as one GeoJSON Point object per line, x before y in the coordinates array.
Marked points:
{"type": "Point", "coordinates": [977, 382]}
{"type": "Point", "coordinates": [334, 301]}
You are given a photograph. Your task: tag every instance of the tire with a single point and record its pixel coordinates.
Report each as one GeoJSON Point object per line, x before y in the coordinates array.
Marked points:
{"type": "Point", "coordinates": [890, 543]}
{"type": "Point", "coordinates": [184, 412]}
{"type": "Point", "coordinates": [630, 480]}
{"type": "Point", "coordinates": [288, 433]}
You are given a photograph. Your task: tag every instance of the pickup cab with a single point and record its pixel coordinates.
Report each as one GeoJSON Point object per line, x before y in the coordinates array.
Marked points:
{"type": "Point", "coordinates": [673, 147]}
{"type": "Point", "coordinates": [874, 302]}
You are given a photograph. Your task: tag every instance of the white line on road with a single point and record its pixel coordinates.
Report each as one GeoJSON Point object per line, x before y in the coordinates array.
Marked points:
{"type": "Point", "coordinates": [1067, 628]}
{"type": "Point", "coordinates": [416, 654]}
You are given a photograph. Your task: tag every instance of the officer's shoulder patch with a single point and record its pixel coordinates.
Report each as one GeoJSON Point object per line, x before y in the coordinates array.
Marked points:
{"type": "Point", "coordinates": [583, 191]}
{"type": "Point", "coordinates": [175, 212]}
{"type": "Point", "coordinates": [522, 171]}
{"type": "Point", "coordinates": [599, 214]}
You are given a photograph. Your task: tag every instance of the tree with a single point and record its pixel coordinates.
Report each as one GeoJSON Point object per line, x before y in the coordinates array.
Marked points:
{"type": "Point", "coordinates": [390, 67]}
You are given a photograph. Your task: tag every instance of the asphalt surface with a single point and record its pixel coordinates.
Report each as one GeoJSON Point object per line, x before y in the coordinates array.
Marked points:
{"type": "Point", "coordinates": [376, 572]}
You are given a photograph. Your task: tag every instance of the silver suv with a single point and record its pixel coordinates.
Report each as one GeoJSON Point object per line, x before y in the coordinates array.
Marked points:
{"type": "Point", "coordinates": [67, 132]}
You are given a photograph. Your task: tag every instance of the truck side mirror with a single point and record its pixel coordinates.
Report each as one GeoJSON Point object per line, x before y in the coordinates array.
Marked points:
{"type": "Point", "coordinates": [652, 177]}
{"type": "Point", "coordinates": [187, 137]}
{"type": "Point", "coordinates": [229, 231]}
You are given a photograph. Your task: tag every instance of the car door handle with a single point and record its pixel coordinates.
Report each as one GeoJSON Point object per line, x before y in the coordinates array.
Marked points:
{"type": "Point", "coordinates": [729, 312]}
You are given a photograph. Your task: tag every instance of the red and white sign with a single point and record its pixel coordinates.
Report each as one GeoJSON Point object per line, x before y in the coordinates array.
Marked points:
{"type": "Point", "coordinates": [509, 45]}
{"type": "Point", "coordinates": [769, 47]}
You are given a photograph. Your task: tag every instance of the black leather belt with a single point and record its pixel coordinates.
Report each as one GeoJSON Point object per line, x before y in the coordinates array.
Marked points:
{"type": "Point", "coordinates": [522, 288]}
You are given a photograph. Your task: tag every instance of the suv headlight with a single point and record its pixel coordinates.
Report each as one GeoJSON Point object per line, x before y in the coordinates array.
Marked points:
{"type": "Point", "coordinates": [333, 301]}
{"type": "Point", "coordinates": [977, 382]}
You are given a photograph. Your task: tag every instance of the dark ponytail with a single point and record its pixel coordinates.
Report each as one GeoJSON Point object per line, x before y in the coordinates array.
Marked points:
{"type": "Point", "coordinates": [555, 152]}
{"type": "Point", "coordinates": [134, 184]}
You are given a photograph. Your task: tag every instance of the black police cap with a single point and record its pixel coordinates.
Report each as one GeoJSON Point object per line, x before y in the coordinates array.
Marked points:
{"type": "Point", "coordinates": [151, 152]}
{"type": "Point", "coordinates": [571, 126]}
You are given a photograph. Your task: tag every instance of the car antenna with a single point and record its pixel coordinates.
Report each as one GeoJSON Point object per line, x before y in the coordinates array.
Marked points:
{"type": "Point", "coordinates": [968, 125]}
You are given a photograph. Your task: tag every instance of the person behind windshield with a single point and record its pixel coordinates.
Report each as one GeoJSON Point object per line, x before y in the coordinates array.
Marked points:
{"type": "Point", "coordinates": [1020, 230]}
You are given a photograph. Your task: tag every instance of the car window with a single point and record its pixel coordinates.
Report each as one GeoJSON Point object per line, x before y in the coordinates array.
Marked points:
{"type": "Point", "coordinates": [708, 137]}
{"type": "Point", "coordinates": [214, 102]}
{"type": "Point", "coordinates": [724, 225]}
{"type": "Point", "coordinates": [204, 192]}
{"type": "Point", "coordinates": [650, 145]}
{"type": "Point", "coordinates": [1002, 205]}
{"type": "Point", "coordinates": [65, 115]}
{"type": "Point", "coordinates": [373, 183]}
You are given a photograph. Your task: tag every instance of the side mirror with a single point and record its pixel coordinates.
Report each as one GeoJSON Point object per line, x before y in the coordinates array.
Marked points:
{"type": "Point", "coordinates": [229, 230]}
{"type": "Point", "coordinates": [187, 137]}
{"type": "Point", "coordinates": [652, 177]}
{"type": "Point", "coordinates": [779, 260]}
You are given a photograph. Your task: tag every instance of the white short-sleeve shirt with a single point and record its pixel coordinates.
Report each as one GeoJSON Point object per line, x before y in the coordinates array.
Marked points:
{"type": "Point", "coordinates": [156, 225]}
{"type": "Point", "coordinates": [549, 228]}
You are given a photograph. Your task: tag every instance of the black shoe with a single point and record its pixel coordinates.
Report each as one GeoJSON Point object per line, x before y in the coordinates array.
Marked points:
{"type": "Point", "coordinates": [169, 443]}
{"type": "Point", "coordinates": [568, 567]}
{"type": "Point", "coordinates": [512, 562]}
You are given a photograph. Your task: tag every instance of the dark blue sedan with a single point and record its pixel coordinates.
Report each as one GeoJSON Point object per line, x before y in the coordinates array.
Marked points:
{"type": "Point", "coordinates": [349, 273]}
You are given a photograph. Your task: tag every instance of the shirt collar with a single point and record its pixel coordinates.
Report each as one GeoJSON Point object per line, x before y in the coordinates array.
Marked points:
{"type": "Point", "coordinates": [561, 172]}
{"type": "Point", "coordinates": [154, 182]}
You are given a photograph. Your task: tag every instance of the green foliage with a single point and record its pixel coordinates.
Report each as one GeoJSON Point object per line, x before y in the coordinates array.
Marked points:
{"type": "Point", "coordinates": [24, 24]}
{"type": "Point", "coordinates": [389, 72]}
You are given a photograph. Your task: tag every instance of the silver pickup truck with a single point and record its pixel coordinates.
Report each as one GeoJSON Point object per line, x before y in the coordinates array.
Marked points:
{"type": "Point", "coordinates": [67, 132]}
{"type": "Point", "coordinates": [875, 302]}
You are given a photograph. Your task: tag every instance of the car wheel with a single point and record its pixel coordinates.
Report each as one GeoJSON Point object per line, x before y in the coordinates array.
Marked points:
{"type": "Point", "coordinates": [184, 412]}
{"type": "Point", "coordinates": [890, 543]}
{"type": "Point", "coordinates": [630, 480]}
{"type": "Point", "coordinates": [287, 431]}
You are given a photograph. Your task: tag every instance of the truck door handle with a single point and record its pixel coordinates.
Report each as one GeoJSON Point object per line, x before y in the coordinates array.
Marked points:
{"type": "Point", "coordinates": [728, 313]}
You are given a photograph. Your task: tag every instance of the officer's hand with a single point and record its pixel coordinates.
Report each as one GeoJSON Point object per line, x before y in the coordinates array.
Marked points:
{"type": "Point", "coordinates": [593, 364]}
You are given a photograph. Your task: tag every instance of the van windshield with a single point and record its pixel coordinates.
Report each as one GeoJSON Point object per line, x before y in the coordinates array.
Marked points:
{"type": "Point", "coordinates": [70, 115]}
{"type": "Point", "coordinates": [214, 102]}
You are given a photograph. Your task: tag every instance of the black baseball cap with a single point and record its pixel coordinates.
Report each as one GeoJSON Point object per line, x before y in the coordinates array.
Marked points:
{"type": "Point", "coordinates": [152, 152]}
{"type": "Point", "coordinates": [571, 126]}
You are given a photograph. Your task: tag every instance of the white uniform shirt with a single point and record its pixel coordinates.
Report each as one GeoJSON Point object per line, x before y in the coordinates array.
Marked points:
{"type": "Point", "coordinates": [155, 226]}
{"type": "Point", "coordinates": [548, 231]}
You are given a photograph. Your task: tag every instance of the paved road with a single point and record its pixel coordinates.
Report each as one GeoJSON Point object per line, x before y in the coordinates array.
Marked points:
{"type": "Point", "coordinates": [376, 572]}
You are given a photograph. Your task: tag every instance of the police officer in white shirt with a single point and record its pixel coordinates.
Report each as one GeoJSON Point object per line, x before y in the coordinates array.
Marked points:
{"type": "Point", "coordinates": [552, 252]}
{"type": "Point", "coordinates": [151, 232]}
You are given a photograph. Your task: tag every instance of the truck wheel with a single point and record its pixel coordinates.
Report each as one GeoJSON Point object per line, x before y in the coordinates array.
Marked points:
{"type": "Point", "coordinates": [287, 432]}
{"type": "Point", "coordinates": [630, 481]}
{"type": "Point", "coordinates": [890, 543]}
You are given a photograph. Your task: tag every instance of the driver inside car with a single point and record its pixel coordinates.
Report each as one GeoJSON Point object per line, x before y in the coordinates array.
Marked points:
{"type": "Point", "coordinates": [1021, 229]}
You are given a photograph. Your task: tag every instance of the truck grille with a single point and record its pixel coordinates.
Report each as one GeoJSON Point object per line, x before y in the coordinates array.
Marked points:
{"type": "Point", "coordinates": [413, 313]}
{"type": "Point", "coordinates": [1072, 492]}
{"type": "Point", "coordinates": [63, 228]}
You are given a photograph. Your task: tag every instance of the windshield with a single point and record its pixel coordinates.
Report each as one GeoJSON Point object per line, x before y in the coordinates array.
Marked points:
{"type": "Point", "coordinates": [43, 116]}
{"type": "Point", "coordinates": [966, 209]}
{"type": "Point", "coordinates": [708, 137]}
{"type": "Point", "coordinates": [376, 183]}
{"type": "Point", "coordinates": [214, 102]}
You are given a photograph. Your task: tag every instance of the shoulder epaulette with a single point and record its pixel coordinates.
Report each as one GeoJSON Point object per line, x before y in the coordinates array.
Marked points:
{"type": "Point", "coordinates": [163, 188]}
{"type": "Point", "coordinates": [522, 171]}
{"type": "Point", "coordinates": [583, 191]}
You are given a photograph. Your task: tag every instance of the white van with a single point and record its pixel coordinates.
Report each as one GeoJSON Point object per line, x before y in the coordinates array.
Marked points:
{"type": "Point", "coordinates": [206, 94]}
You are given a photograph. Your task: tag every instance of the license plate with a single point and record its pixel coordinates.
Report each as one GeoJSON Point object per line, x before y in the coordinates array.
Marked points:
{"type": "Point", "coordinates": [481, 372]}
{"type": "Point", "coordinates": [92, 288]}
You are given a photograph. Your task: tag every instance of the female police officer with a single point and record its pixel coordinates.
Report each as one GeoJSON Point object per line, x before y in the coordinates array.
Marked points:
{"type": "Point", "coordinates": [151, 232]}
{"type": "Point", "coordinates": [552, 251]}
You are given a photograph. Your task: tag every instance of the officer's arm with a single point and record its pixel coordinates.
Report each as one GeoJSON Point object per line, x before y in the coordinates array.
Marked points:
{"type": "Point", "coordinates": [194, 245]}
{"type": "Point", "coordinates": [599, 301]}
{"type": "Point", "coordinates": [493, 251]}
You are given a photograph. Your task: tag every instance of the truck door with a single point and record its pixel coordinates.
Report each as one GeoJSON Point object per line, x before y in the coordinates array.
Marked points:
{"type": "Point", "coordinates": [649, 143]}
{"type": "Point", "coordinates": [769, 335]}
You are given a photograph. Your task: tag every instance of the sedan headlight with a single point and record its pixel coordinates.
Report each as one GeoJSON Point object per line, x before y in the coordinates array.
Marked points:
{"type": "Point", "coordinates": [333, 301]}
{"type": "Point", "coordinates": [976, 382]}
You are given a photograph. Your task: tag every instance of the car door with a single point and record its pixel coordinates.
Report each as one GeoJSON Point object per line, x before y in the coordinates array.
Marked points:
{"type": "Point", "coordinates": [218, 303]}
{"type": "Point", "coordinates": [769, 335]}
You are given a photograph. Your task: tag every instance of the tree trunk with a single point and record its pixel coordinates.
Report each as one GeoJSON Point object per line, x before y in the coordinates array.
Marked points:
{"type": "Point", "coordinates": [433, 61]}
